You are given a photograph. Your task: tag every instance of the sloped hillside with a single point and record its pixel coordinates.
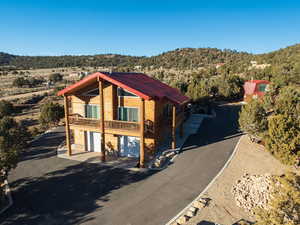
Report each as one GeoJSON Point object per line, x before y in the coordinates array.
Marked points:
{"type": "Point", "coordinates": [196, 57]}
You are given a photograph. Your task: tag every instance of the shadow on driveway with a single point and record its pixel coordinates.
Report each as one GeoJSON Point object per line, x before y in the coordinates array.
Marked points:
{"type": "Point", "coordinates": [216, 129]}
{"type": "Point", "coordinates": [66, 196]}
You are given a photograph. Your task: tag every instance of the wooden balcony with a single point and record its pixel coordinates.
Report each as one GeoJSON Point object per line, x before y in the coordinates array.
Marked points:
{"type": "Point", "coordinates": [108, 124]}
{"type": "Point", "coordinates": [82, 121]}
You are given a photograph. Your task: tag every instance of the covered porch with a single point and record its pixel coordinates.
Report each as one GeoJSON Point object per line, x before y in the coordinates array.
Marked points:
{"type": "Point", "coordinates": [113, 160]}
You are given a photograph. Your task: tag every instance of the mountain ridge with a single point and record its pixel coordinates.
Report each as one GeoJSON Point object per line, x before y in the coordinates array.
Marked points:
{"type": "Point", "coordinates": [182, 58]}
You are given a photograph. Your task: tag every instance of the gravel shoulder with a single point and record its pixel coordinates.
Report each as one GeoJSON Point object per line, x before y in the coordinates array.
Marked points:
{"type": "Point", "coordinates": [249, 158]}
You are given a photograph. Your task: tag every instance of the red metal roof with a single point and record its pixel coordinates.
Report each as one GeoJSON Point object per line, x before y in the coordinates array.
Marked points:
{"type": "Point", "coordinates": [250, 85]}
{"type": "Point", "coordinates": [137, 83]}
{"type": "Point", "coordinates": [258, 81]}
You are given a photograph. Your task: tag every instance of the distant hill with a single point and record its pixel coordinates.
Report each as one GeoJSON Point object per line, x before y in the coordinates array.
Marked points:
{"type": "Point", "coordinates": [289, 54]}
{"type": "Point", "coordinates": [6, 59]}
{"type": "Point", "coordinates": [195, 57]}
{"type": "Point", "coordinates": [35, 62]}
{"type": "Point", "coordinates": [183, 58]}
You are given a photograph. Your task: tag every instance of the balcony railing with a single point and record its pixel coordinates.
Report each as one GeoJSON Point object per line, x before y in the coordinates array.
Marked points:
{"type": "Point", "coordinates": [109, 124]}
{"type": "Point", "coordinates": [122, 125]}
{"type": "Point", "coordinates": [82, 121]}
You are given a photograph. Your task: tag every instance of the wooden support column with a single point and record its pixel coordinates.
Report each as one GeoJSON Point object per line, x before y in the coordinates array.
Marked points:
{"type": "Point", "coordinates": [102, 130]}
{"type": "Point", "coordinates": [68, 133]}
{"type": "Point", "coordinates": [174, 127]}
{"type": "Point", "coordinates": [142, 133]}
{"type": "Point", "coordinates": [114, 103]}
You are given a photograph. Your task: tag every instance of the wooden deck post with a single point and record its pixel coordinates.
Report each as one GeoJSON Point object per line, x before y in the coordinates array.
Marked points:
{"type": "Point", "coordinates": [102, 130]}
{"type": "Point", "coordinates": [67, 126]}
{"type": "Point", "coordinates": [174, 127]}
{"type": "Point", "coordinates": [142, 133]}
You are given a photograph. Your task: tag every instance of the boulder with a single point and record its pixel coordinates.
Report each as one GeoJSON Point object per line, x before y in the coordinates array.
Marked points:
{"type": "Point", "coordinates": [199, 204]}
{"type": "Point", "coordinates": [182, 220]}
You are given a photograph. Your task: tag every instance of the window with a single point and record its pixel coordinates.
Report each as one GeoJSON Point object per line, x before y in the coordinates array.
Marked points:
{"type": "Point", "coordinates": [128, 114]}
{"type": "Point", "coordinates": [123, 93]}
{"type": "Point", "coordinates": [92, 111]}
{"type": "Point", "coordinates": [262, 87]}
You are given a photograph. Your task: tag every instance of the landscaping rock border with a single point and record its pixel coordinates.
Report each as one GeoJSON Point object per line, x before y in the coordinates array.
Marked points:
{"type": "Point", "coordinates": [198, 200]}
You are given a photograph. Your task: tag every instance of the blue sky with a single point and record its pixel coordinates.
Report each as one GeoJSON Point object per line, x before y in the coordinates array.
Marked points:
{"type": "Point", "coordinates": [59, 27]}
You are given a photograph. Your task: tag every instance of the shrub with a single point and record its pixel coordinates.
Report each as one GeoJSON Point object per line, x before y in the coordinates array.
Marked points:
{"type": "Point", "coordinates": [283, 139]}
{"type": "Point", "coordinates": [288, 101]}
{"type": "Point", "coordinates": [284, 207]}
{"type": "Point", "coordinates": [51, 113]}
{"type": "Point", "coordinates": [30, 82]}
{"type": "Point", "coordinates": [6, 108]}
{"type": "Point", "coordinates": [13, 137]}
{"type": "Point", "coordinates": [56, 77]}
{"type": "Point", "coordinates": [200, 91]}
{"type": "Point", "coordinates": [19, 82]}
{"type": "Point", "coordinates": [230, 87]}
{"type": "Point", "coordinates": [253, 119]}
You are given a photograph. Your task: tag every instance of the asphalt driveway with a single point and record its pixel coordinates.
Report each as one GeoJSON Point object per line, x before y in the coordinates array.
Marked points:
{"type": "Point", "coordinates": [54, 191]}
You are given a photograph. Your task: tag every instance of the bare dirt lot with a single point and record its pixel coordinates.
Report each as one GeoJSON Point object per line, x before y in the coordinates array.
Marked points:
{"type": "Point", "coordinates": [249, 158]}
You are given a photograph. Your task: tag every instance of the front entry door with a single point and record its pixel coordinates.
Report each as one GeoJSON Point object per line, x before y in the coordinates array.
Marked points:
{"type": "Point", "coordinates": [129, 146]}
{"type": "Point", "coordinates": [94, 141]}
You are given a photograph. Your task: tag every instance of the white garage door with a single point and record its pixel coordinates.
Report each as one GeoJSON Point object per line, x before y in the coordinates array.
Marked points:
{"type": "Point", "coordinates": [94, 141]}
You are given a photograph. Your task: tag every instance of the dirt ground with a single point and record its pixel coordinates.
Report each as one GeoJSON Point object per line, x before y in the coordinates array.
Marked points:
{"type": "Point", "coordinates": [26, 95]}
{"type": "Point", "coordinates": [249, 158]}
{"type": "Point", "coordinates": [69, 73]}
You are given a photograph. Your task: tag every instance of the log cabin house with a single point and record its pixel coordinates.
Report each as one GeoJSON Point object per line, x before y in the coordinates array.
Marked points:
{"type": "Point", "coordinates": [125, 114]}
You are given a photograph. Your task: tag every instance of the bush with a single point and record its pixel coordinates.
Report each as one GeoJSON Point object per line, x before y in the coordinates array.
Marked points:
{"type": "Point", "coordinates": [284, 207]}
{"type": "Point", "coordinates": [283, 139]}
{"type": "Point", "coordinates": [200, 91]}
{"type": "Point", "coordinates": [230, 88]}
{"type": "Point", "coordinates": [6, 108]}
{"type": "Point", "coordinates": [253, 119]}
{"type": "Point", "coordinates": [13, 137]}
{"type": "Point", "coordinates": [51, 113]}
{"type": "Point", "coordinates": [55, 77]}
{"type": "Point", "coordinates": [288, 101]}
{"type": "Point", "coordinates": [19, 82]}
{"type": "Point", "coordinates": [30, 82]}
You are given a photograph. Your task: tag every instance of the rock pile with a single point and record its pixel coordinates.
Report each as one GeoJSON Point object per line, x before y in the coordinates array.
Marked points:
{"type": "Point", "coordinates": [162, 159]}
{"type": "Point", "coordinates": [253, 191]}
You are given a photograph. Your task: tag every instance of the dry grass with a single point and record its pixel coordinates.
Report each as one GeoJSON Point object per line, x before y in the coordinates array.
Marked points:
{"type": "Point", "coordinates": [6, 88]}
{"type": "Point", "coordinates": [30, 116]}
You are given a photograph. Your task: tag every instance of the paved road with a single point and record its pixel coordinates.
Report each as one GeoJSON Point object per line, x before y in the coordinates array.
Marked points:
{"type": "Point", "coordinates": [53, 191]}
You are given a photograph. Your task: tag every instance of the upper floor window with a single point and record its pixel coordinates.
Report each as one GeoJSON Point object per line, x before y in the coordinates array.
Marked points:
{"type": "Point", "coordinates": [124, 93]}
{"type": "Point", "coordinates": [128, 114]}
{"type": "Point", "coordinates": [92, 111]}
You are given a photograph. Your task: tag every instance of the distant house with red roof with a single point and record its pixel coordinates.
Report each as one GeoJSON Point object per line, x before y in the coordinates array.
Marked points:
{"type": "Point", "coordinates": [254, 89]}
{"type": "Point", "coordinates": [121, 114]}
